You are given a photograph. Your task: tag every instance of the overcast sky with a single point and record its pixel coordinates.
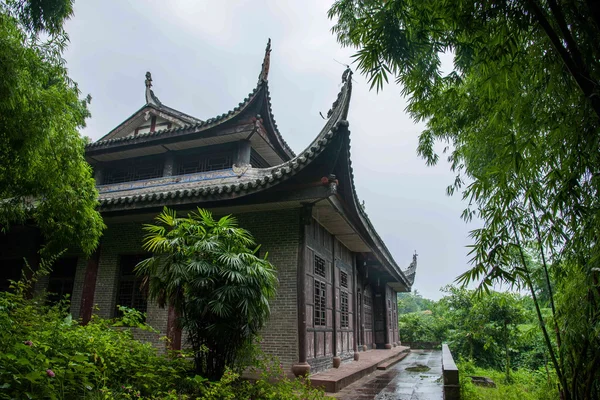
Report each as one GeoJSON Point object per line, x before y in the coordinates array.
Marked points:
{"type": "Point", "coordinates": [205, 57]}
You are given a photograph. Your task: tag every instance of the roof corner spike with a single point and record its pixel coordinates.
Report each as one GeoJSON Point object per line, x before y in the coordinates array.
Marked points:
{"type": "Point", "coordinates": [264, 73]}
{"type": "Point", "coordinates": [411, 271]}
{"type": "Point", "coordinates": [347, 74]}
{"type": "Point", "coordinates": [150, 97]}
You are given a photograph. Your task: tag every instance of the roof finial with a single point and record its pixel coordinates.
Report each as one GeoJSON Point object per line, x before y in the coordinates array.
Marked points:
{"type": "Point", "coordinates": [148, 79]}
{"type": "Point", "coordinates": [150, 97]}
{"type": "Point", "coordinates": [264, 73]}
{"type": "Point", "coordinates": [347, 74]}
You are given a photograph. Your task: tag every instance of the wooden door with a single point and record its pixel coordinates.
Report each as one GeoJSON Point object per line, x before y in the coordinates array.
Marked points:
{"type": "Point", "coordinates": [379, 320]}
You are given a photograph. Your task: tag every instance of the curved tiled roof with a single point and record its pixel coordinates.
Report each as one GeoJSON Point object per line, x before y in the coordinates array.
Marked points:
{"type": "Point", "coordinates": [264, 177]}
{"type": "Point", "coordinates": [262, 88]}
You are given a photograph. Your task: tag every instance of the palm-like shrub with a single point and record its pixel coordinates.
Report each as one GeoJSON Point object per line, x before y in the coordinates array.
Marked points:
{"type": "Point", "coordinates": [209, 271]}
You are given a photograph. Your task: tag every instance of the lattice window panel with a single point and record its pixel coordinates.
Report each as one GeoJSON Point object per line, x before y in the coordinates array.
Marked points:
{"type": "Point", "coordinates": [130, 293]}
{"type": "Point", "coordinates": [345, 319]}
{"type": "Point", "coordinates": [343, 279]}
{"type": "Point", "coordinates": [320, 303]}
{"type": "Point", "coordinates": [319, 266]}
{"type": "Point", "coordinates": [61, 279]}
{"type": "Point", "coordinates": [204, 162]}
{"type": "Point", "coordinates": [134, 170]}
{"type": "Point", "coordinates": [368, 310]}
{"type": "Point", "coordinates": [368, 318]}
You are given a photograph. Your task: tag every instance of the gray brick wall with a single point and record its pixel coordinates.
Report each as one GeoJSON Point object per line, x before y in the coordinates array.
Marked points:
{"type": "Point", "coordinates": [278, 234]}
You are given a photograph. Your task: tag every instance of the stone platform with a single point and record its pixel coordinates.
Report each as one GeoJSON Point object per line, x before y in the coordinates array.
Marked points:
{"type": "Point", "coordinates": [335, 379]}
{"type": "Point", "coordinates": [399, 382]}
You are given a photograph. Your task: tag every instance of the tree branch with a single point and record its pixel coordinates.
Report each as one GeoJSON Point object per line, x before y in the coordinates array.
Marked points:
{"type": "Point", "coordinates": [582, 78]}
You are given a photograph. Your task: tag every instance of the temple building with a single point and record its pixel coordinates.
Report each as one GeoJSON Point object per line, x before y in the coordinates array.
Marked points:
{"type": "Point", "coordinates": [337, 279]}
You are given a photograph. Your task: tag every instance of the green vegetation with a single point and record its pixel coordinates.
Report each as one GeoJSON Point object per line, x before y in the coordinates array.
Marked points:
{"type": "Point", "coordinates": [494, 335]}
{"type": "Point", "coordinates": [44, 353]}
{"type": "Point", "coordinates": [43, 173]}
{"type": "Point", "coordinates": [210, 273]}
{"type": "Point", "coordinates": [519, 115]}
{"type": "Point", "coordinates": [525, 385]}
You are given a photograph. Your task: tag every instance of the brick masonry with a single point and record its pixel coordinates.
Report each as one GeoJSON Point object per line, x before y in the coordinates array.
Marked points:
{"type": "Point", "coordinates": [278, 234]}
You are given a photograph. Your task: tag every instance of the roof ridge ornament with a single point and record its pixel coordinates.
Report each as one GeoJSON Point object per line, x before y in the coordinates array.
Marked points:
{"type": "Point", "coordinates": [150, 97]}
{"type": "Point", "coordinates": [264, 73]}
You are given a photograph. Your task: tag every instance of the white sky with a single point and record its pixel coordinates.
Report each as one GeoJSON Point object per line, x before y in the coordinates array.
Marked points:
{"type": "Point", "coordinates": [205, 57]}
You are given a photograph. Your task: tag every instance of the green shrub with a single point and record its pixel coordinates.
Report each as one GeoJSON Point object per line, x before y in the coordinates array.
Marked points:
{"type": "Point", "coordinates": [44, 353]}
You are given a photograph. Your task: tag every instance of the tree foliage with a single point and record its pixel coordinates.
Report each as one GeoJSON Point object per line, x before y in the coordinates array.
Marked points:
{"type": "Point", "coordinates": [210, 272]}
{"type": "Point", "coordinates": [519, 111]}
{"type": "Point", "coordinates": [43, 174]}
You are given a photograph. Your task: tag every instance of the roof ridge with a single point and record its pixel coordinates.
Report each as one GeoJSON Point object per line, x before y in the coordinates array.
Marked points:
{"type": "Point", "coordinates": [202, 123]}
{"type": "Point", "coordinates": [270, 175]}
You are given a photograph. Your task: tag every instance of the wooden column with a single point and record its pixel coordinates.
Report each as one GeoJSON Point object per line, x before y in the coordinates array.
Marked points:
{"type": "Point", "coordinates": [355, 327]}
{"type": "Point", "coordinates": [386, 317]}
{"type": "Point", "coordinates": [89, 287]}
{"type": "Point", "coordinates": [336, 359]}
{"type": "Point", "coordinates": [173, 330]}
{"type": "Point", "coordinates": [362, 310]}
{"type": "Point", "coordinates": [302, 368]}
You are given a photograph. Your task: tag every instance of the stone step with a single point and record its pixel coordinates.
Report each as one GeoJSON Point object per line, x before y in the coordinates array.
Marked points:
{"type": "Point", "coordinates": [391, 362]}
{"type": "Point", "coordinates": [335, 379]}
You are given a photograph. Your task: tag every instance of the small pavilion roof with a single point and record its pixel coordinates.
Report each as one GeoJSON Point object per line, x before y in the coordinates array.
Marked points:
{"type": "Point", "coordinates": [258, 99]}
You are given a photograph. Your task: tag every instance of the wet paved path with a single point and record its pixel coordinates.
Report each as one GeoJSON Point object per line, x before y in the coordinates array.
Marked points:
{"type": "Point", "coordinates": [399, 384]}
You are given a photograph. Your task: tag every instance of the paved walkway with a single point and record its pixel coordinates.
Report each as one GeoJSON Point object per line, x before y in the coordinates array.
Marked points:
{"type": "Point", "coordinates": [399, 384]}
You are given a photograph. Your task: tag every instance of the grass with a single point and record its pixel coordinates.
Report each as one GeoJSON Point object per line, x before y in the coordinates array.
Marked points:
{"type": "Point", "coordinates": [524, 385]}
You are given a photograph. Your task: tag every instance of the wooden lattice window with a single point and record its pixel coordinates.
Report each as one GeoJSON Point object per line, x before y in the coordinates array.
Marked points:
{"type": "Point", "coordinates": [368, 311]}
{"type": "Point", "coordinates": [194, 163]}
{"type": "Point", "coordinates": [134, 170]}
{"type": "Point", "coordinates": [61, 279]}
{"type": "Point", "coordinates": [344, 320]}
{"type": "Point", "coordinates": [343, 279]}
{"type": "Point", "coordinates": [130, 293]}
{"type": "Point", "coordinates": [319, 266]}
{"type": "Point", "coordinates": [320, 303]}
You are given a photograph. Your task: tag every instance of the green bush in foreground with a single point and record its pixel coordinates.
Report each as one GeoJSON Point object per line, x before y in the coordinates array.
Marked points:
{"type": "Point", "coordinates": [45, 354]}
{"type": "Point", "coordinates": [524, 385]}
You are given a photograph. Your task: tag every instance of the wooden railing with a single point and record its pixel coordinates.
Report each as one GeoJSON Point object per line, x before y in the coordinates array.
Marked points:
{"type": "Point", "coordinates": [450, 374]}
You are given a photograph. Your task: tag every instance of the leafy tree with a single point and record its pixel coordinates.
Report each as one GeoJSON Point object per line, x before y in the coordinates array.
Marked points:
{"type": "Point", "coordinates": [488, 326]}
{"type": "Point", "coordinates": [43, 173]}
{"type": "Point", "coordinates": [413, 302]}
{"type": "Point", "coordinates": [520, 112]}
{"type": "Point", "coordinates": [209, 271]}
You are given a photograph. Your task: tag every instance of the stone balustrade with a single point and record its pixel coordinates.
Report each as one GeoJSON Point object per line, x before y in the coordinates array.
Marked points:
{"type": "Point", "coordinates": [450, 374]}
